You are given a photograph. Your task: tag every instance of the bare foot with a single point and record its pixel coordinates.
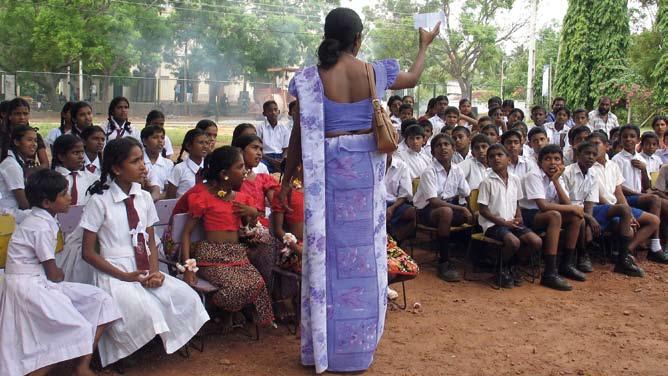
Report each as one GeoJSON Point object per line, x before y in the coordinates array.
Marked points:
{"type": "Point", "coordinates": [227, 323]}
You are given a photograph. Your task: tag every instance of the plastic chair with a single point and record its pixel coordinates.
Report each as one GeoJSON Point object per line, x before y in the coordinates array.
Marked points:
{"type": "Point", "coordinates": [164, 208]}
{"type": "Point", "coordinates": [7, 226]}
{"type": "Point", "coordinates": [70, 221]}
{"type": "Point", "coordinates": [654, 177]}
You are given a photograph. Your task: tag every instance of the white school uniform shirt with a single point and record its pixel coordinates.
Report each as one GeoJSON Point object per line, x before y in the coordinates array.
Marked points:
{"type": "Point", "coordinates": [458, 158]}
{"type": "Point", "coordinates": [437, 124]}
{"type": "Point", "coordinates": [159, 172]}
{"type": "Point", "coordinates": [53, 135]}
{"type": "Point", "coordinates": [11, 178]}
{"type": "Point", "coordinates": [596, 121]}
{"type": "Point", "coordinates": [169, 149]}
{"type": "Point", "coordinates": [34, 241]}
{"type": "Point", "coordinates": [527, 151]}
{"type": "Point", "coordinates": [261, 168]}
{"type": "Point", "coordinates": [474, 172]}
{"type": "Point", "coordinates": [84, 180]}
{"type": "Point", "coordinates": [653, 162]}
{"type": "Point", "coordinates": [632, 176]}
{"type": "Point", "coordinates": [436, 182]}
{"type": "Point", "coordinates": [183, 175]}
{"type": "Point", "coordinates": [274, 139]}
{"type": "Point", "coordinates": [554, 135]}
{"type": "Point", "coordinates": [396, 122]}
{"type": "Point", "coordinates": [500, 199]}
{"type": "Point", "coordinates": [609, 177]}
{"type": "Point", "coordinates": [95, 165]}
{"type": "Point", "coordinates": [524, 166]}
{"type": "Point", "coordinates": [416, 162]}
{"type": "Point", "coordinates": [537, 185]}
{"type": "Point", "coordinates": [398, 183]}
{"type": "Point", "coordinates": [568, 155]}
{"type": "Point", "coordinates": [581, 187]}
{"type": "Point", "coordinates": [119, 129]}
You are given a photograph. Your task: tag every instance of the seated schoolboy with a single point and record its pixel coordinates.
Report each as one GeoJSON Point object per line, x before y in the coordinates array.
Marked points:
{"type": "Point", "coordinates": [462, 137]}
{"type": "Point", "coordinates": [636, 181]}
{"type": "Point", "coordinates": [610, 181]}
{"type": "Point", "coordinates": [538, 115]}
{"type": "Point", "coordinates": [491, 132]}
{"type": "Point", "coordinates": [451, 117]}
{"type": "Point", "coordinates": [649, 142]}
{"type": "Point", "coordinates": [500, 216]}
{"type": "Point", "coordinates": [547, 206]}
{"type": "Point", "coordinates": [581, 118]}
{"type": "Point", "coordinates": [413, 156]}
{"type": "Point", "coordinates": [557, 130]}
{"type": "Point", "coordinates": [515, 115]}
{"type": "Point", "coordinates": [496, 114]}
{"type": "Point", "coordinates": [537, 138]}
{"type": "Point", "coordinates": [447, 129]}
{"type": "Point", "coordinates": [405, 112]}
{"type": "Point", "coordinates": [475, 169]}
{"type": "Point", "coordinates": [576, 135]}
{"type": "Point", "coordinates": [428, 134]}
{"type": "Point", "coordinates": [484, 121]}
{"type": "Point", "coordinates": [521, 127]}
{"type": "Point", "coordinates": [437, 200]}
{"type": "Point", "coordinates": [399, 188]}
{"type": "Point", "coordinates": [519, 165]}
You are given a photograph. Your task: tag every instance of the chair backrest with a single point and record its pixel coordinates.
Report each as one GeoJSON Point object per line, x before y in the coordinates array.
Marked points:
{"type": "Point", "coordinates": [7, 226]}
{"type": "Point", "coordinates": [178, 223]}
{"type": "Point", "coordinates": [654, 177]}
{"type": "Point", "coordinates": [70, 221]}
{"type": "Point", "coordinates": [164, 208]}
{"type": "Point", "coordinates": [416, 184]}
{"type": "Point", "coordinates": [473, 202]}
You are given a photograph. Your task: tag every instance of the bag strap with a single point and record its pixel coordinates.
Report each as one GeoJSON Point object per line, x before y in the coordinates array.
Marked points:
{"type": "Point", "coordinates": [372, 81]}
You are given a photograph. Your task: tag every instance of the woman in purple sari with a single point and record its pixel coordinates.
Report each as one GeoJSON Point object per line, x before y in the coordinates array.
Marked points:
{"type": "Point", "coordinates": [344, 265]}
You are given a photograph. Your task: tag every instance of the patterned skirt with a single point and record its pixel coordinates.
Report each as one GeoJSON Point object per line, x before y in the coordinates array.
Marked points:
{"type": "Point", "coordinates": [262, 255]}
{"type": "Point", "coordinates": [226, 266]}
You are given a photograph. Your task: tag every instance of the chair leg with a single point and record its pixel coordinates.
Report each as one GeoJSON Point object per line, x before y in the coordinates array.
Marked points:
{"type": "Point", "coordinates": [403, 292]}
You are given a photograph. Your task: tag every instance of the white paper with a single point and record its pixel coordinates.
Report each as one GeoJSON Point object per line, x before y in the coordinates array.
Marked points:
{"type": "Point", "coordinates": [427, 21]}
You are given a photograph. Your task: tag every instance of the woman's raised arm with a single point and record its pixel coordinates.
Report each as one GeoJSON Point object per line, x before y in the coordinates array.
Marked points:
{"type": "Point", "coordinates": [407, 80]}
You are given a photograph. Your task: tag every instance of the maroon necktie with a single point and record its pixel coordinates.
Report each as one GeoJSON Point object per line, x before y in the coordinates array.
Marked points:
{"type": "Point", "coordinates": [91, 168]}
{"type": "Point", "coordinates": [141, 255]}
{"type": "Point", "coordinates": [74, 192]}
{"type": "Point", "coordinates": [198, 176]}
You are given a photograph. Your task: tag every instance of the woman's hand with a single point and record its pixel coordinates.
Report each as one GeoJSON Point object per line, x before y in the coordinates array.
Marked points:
{"type": "Point", "coordinates": [190, 278]}
{"type": "Point", "coordinates": [137, 276]}
{"type": "Point", "coordinates": [284, 197]}
{"type": "Point", "coordinates": [154, 280]}
{"type": "Point", "coordinates": [243, 210]}
{"type": "Point", "coordinates": [426, 37]}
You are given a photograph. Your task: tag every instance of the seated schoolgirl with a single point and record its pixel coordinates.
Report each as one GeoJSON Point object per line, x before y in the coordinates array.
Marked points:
{"type": "Point", "coordinates": [261, 188]}
{"type": "Point", "coordinates": [118, 125]}
{"type": "Point", "coordinates": [68, 152]}
{"type": "Point", "coordinates": [64, 128]}
{"type": "Point", "coordinates": [186, 173]}
{"type": "Point", "coordinates": [43, 320]}
{"type": "Point", "coordinates": [210, 128]}
{"type": "Point", "coordinates": [121, 216]}
{"type": "Point", "coordinates": [81, 114]}
{"type": "Point", "coordinates": [18, 160]}
{"type": "Point", "coordinates": [157, 118]}
{"type": "Point", "coordinates": [221, 258]}
{"type": "Point", "coordinates": [94, 141]}
{"type": "Point", "coordinates": [18, 113]}
{"type": "Point", "coordinates": [159, 168]}
{"type": "Point", "coordinates": [245, 129]}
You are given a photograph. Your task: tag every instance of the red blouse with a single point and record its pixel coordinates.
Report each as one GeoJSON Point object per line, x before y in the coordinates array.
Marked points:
{"type": "Point", "coordinates": [296, 203]}
{"type": "Point", "coordinates": [258, 189]}
{"type": "Point", "coordinates": [217, 214]}
{"type": "Point", "coordinates": [182, 203]}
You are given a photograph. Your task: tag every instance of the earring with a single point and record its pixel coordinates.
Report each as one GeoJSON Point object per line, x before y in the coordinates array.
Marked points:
{"type": "Point", "coordinates": [226, 178]}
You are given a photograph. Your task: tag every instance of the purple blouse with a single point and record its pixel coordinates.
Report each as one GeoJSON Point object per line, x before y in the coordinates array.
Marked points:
{"type": "Point", "coordinates": [345, 117]}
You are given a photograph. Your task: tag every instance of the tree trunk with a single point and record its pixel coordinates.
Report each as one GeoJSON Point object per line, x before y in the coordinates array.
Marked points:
{"type": "Point", "coordinates": [48, 83]}
{"type": "Point", "coordinates": [465, 88]}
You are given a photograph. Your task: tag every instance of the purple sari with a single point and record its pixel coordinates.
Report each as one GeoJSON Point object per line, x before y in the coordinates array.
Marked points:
{"type": "Point", "coordinates": [344, 265]}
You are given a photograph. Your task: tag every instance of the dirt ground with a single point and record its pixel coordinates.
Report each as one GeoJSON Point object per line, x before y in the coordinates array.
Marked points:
{"type": "Point", "coordinates": [609, 325]}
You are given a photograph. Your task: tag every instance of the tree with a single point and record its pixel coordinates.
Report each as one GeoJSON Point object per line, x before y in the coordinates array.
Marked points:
{"type": "Point", "coordinates": [660, 74]}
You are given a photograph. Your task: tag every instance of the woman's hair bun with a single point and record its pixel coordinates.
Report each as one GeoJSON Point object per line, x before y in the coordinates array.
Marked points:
{"type": "Point", "coordinates": [342, 27]}
{"type": "Point", "coordinates": [329, 52]}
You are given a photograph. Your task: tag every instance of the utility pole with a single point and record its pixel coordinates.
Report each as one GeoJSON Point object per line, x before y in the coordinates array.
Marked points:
{"type": "Point", "coordinates": [80, 79]}
{"type": "Point", "coordinates": [185, 83]}
{"type": "Point", "coordinates": [532, 54]}
{"type": "Point", "coordinates": [501, 78]}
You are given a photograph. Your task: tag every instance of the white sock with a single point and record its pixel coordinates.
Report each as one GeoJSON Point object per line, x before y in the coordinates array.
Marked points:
{"type": "Point", "coordinates": [656, 245]}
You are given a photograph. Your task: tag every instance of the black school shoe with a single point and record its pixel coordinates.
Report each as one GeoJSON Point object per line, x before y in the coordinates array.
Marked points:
{"type": "Point", "coordinates": [448, 272]}
{"type": "Point", "coordinates": [570, 272]}
{"type": "Point", "coordinates": [584, 263]}
{"type": "Point", "coordinates": [507, 281]}
{"type": "Point", "coordinates": [660, 257]}
{"type": "Point", "coordinates": [628, 267]}
{"type": "Point", "coordinates": [555, 282]}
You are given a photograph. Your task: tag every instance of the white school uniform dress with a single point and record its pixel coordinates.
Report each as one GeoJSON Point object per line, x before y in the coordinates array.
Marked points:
{"type": "Point", "coordinates": [53, 135]}
{"type": "Point", "coordinates": [70, 259]}
{"type": "Point", "coordinates": [416, 162]}
{"type": "Point", "coordinates": [609, 177]}
{"type": "Point", "coordinates": [437, 124]}
{"type": "Point", "coordinates": [113, 130]}
{"type": "Point", "coordinates": [474, 172]}
{"type": "Point", "coordinates": [581, 188]}
{"type": "Point", "coordinates": [653, 162]}
{"type": "Point", "coordinates": [158, 172]}
{"type": "Point", "coordinates": [11, 178]}
{"type": "Point", "coordinates": [274, 139]}
{"type": "Point", "coordinates": [41, 322]}
{"type": "Point", "coordinates": [436, 182]}
{"type": "Point", "coordinates": [536, 185]}
{"type": "Point", "coordinates": [173, 311]}
{"type": "Point", "coordinates": [524, 166]}
{"type": "Point", "coordinates": [458, 158]}
{"type": "Point", "coordinates": [499, 197]}
{"type": "Point", "coordinates": [169, 149]}
{"type": "Point", "coordinates": [632, 176]}
{"type": "Point", "coordinates": [554, 135]}
{"type": "Point", "coordinates": [94, 166]}
{"type": "Point", "coordinates": [398, 182]}
{"type": "Point", "coordinates": [183, 175]}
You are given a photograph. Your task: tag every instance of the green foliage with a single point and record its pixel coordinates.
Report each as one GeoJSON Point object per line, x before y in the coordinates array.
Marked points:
{"type": "Point", "coordinates": [660, 73]}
